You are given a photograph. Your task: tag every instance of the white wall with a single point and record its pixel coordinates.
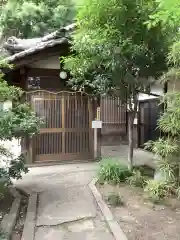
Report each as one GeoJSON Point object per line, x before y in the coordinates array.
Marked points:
{"type": "Point", "coordinates": [156, 89]}
{"type": "Point", "coordinates": [52, 62]}
{"type": "Point", "coordinates": [13, 147]}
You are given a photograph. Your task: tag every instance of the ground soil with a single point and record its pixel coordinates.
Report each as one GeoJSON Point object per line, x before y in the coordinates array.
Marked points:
{"type": "Point", "coordinates": [140, 219]}
{"type": "Point", "coordinates": [5, 203]}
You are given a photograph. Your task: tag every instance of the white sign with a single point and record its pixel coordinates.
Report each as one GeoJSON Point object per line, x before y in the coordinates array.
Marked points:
{"type": "Point", "coordinates": [96, 124]}
{"type": "Point", "coordinates": [135, 121]}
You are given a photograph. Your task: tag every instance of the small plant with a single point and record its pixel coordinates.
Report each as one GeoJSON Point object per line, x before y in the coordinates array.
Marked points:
{"type": "Point", "coordinates": [178, 192]}
{"type": "Point", "coordinates": [3, 236]}
{"type": "Point", "coordinates": [115, 200]}
{"type": "Point", "coordinates": [137, 179]}
{"type": "Point", "coordinates": [113, 172]}
{"type": "Point", "coordinates": [158, 190]}
{"type": "Point", "coordinates": [169, 169]}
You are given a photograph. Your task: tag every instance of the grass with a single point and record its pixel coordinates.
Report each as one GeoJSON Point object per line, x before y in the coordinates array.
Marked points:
{"type": "Point", "coordinates": [112, 171]}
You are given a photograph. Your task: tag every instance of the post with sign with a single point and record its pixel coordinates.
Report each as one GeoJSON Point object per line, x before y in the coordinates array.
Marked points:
{"type": "Point", "coordinates": [96, 124]}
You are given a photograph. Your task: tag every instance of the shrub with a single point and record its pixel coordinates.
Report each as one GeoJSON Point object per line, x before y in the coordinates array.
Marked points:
{"type": "Point", "coordinates": [115, 200]}
{"type": "Point", "coordinates": [3, 236]}
{"type": "Point", "coordinates": [137, 179]}
{"type": "Point", "coordinates": [17, 122]}
{"type": "Point", "coordinates": [158, 190]}
{"type": "Point", "coordinates": [112, 171]}
{"type": "Point", "coordinates": [169, 169]}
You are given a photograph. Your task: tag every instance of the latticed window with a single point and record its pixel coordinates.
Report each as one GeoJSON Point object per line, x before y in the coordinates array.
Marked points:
{"type": "Point", "coordinates": [34, 82]}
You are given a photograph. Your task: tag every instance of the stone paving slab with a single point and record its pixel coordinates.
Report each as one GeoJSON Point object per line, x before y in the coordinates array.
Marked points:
{"type": "Point", "coordinates": [90, 235]}
{"type": "Point", "coordinates": [53, 233]}
{"type": "Point", "coordinates": [57, 207]}
{"type": "Point", "coordinates": [65, 212]}
{"type": "Point", "coordinates": [49, 181]}
{"type": "Point", "coordinates": [82, 225]}
{"type": "Point", "coordinates": [50, 233]}
{"type": "Point", "coordinates": [66, 209]}
{"type": "Point", "coordinates": [64, 195]}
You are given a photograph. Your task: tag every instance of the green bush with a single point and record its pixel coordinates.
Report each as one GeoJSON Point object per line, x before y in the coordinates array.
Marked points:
{"type": "Point", "coordinates": [15, 123]}
{"type": "Point", "coordinates": [137, 179]}
{"type": "Point", "coordinates": [168, 168]}
{"type": "Point", "coordinates": [3, 236]}
{"type": "Point", "coordinates": [158, 190]}
{"type": "Point", "coordinates": [113, 172]}
{"type": "Point", "coordinates": [115, 200]}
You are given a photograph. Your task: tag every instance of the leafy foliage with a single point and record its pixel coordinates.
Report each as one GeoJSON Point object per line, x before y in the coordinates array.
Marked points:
{"type": "Point", "coordinates": [163, 147]}
{"type": "Point", "coordinates": [115, 52]}
{"type": "Point", "coordinates": [3, 236]}
{"type": "Point", "coordinates": [15, 123]}
{"type": "Point", "coordinates": [113, 172]}
{"type": "Point", "coordinates": [157, 190]}
{"type": "Point", "coordinates": [137, 179]}
{"type": "Point", "coordinates": [167, 13]}
{"type": "Point", "coordinates": [32, 18]}
{"type": "Point", "coordinates": [8, 92]}
{"type": "Point", "coordinates": [18, 122]}
{"type": "Point", "coordinates": [167, 147]}
{"type": "Point", "coordinates": [110, 50]}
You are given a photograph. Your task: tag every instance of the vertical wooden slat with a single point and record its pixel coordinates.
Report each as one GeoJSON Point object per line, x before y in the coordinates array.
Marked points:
{"type": "Point", "coordinates": [91, 138]}
{"type": "Point", "coordinates": [72, 113]}
{"type": "Point", "coordinates": [63, 122]}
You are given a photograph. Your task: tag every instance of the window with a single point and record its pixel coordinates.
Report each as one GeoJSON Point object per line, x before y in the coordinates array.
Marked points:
{"type": "Point", "coordinates": [33, 82]}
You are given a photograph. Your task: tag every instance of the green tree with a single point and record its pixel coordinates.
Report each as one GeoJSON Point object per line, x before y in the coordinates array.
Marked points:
{"type": "Point", "coordinates": [116, 52]}
{"type": "Point", "coordinates": [15, 123]}
{"type": "Point", "coordinates": [32, 18]}
{"type": "Point", "coordinates": [167, 148]}
{"type": "Point", "coordinates": [167, 13]}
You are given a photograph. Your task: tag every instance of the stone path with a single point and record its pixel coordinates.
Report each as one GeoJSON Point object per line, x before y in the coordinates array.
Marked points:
{"type": "Point", "coordinates": [66, 207]}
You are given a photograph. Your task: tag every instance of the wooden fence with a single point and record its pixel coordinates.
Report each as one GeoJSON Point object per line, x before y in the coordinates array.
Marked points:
{"type": "Point", "coordinates": [114, 118]}
{"type": "Point", "coordinates": [148, 115]}
{"type": "Point", "coordinates": [66, 133]}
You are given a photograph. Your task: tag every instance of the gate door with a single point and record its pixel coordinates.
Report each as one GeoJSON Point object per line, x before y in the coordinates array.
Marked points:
{"type": "Point", "coordinates": [66, 133]}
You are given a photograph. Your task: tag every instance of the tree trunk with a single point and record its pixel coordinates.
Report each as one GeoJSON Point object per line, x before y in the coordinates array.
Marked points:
{"type": "Point", "coordinates": [130, 140]}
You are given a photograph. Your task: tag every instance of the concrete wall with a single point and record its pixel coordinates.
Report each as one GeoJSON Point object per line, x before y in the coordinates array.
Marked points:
{"type": "Point", "coordinates": [52, 62]}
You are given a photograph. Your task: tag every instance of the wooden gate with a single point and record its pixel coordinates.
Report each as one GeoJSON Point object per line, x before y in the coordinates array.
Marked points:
{"type": "Point", "coordinates": [66, 133]}
{"type": "Point", "coordinates": [114, 118]}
